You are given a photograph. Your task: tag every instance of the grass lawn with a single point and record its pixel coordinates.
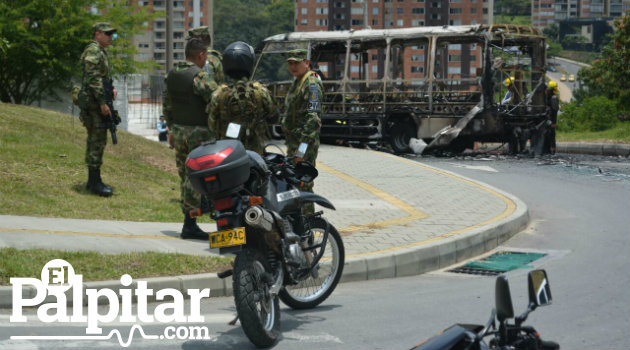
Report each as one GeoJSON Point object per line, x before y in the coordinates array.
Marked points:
{"type": "Point", "coordinates": [43, 172]}
{"type": "Point", "coordinates": [618, 134]}
{"type": "Point", "coordinates": [97, 267]}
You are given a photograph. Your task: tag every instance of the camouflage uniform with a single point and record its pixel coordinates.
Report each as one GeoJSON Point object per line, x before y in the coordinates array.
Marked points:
{"type": "Point", "coordinates": [95, 69]}
{"type": "Point", "coordinates": [213, 66]}
{"type": "Point", "coordinates": [246, 103]}
{"type": "Point", "coordinates": [188, 137]}
{"type": "Point", "coordinates": [301, 121]}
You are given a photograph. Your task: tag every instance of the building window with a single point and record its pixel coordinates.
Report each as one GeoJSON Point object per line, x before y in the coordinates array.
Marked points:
{"type": "Point", "coordinates": [417, 22]}
{"type": "Point", "coordinates": [417, 10]}
{"type": "Point", "coordinates": [321, 22]}
{"type": "Point", "coordinates": [455, 10]}
{"type": "Point", "coordinates": [374, 22]}
{"type": "Point", "coordinates": [340, 16]}
{"type": "Point", "coordinates": [375, 10]}
{"type": "Point", "coordinates": [178, 35]}
{"type": "Point", "coordinates": [485, 11]}
{"type": "Point", "coordinates": [454, 58]}
{"type": "Point", "coordinates": [454, 70]}
{"type": "Point", "coordinates": [455, 22]}
{"type": "Point", "coordinates": [436, 5]}
{"type": "Point", "coordinates": [356, 11]}
{"type": "Point", "coordinates": [455, 47]}
{"type": "Point", "coordinates": [400, 11]}
{"type": "Point", "coordinates": [321, 10]}
{"type": "Point", "coordinates": [340, 4]}
{"type": "Point", "coordinates": [304, 10]}
{"type": "Point", "coordinates": [399, 23]}
{"type": "Point", "coordinates": [417, 69]}
{"type": "Point", "coordinates": [304, 21]}
{"type": "Point", "coordinates": [473, 10]}
{"type": "Point", "coordinates": [417, 58]}
{"type": "Point", "coordinates": [357, 22]}
{"type": "Point", "coordinates": [436, 16]}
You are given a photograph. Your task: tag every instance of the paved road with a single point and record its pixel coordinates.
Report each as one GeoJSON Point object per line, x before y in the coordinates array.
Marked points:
{"type": "Point", "coordinates": [579, 218]}
{"type": "Point", "coordinates": [565, 87]}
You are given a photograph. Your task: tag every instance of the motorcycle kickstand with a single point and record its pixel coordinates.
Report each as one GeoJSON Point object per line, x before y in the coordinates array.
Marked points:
{"type": "Point", "coordinates": [233, 322]}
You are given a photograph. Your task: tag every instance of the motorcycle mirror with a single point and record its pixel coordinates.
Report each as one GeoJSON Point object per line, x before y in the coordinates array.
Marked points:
{"type": "Point", "coordinates": [301, 151]}
{"type": "Point", "coordinates": [233, 130]}
{"type": "Point", "coordinates": [539, 289]}
{"type": "Point", "coordinates": [305, 171]}
{"type": "Point", "coordinates": [503, 299]}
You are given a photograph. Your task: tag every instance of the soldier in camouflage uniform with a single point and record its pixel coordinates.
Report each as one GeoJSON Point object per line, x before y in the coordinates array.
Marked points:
{"type": "Point", "coordinates": [301, 121]}
{"type": "Point", "coordinates": [213, 64]}
{"type": "Point", "coordinates": [188, 89]}
{"type": "Point", "coordinates": [242, 101]}
{"type": "Point", "coordinates": [96, 74]}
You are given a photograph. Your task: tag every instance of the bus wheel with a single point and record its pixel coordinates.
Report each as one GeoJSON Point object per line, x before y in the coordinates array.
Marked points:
{"type": "Point", "coordinates": [399, 136]}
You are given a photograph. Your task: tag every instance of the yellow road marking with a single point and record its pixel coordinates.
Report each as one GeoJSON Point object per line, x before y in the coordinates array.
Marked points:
{"type": "Point", "coordinates": [510, 207]}
{"type": "Point", "coordinates": [414, 214]}
{"type": "Point", "coordinates": [94, 234]}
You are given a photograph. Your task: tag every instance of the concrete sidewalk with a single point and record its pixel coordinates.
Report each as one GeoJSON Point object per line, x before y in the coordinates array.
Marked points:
{"type": "Point", "coordinates": [397, 218]}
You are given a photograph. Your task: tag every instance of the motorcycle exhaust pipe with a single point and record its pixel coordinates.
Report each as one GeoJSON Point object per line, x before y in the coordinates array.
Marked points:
{"type": "Point", "coordinates": [260, 218]}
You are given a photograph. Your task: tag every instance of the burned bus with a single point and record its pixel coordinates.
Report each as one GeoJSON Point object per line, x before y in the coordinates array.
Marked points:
{"type": "Point", "coordinates": [443, 85]}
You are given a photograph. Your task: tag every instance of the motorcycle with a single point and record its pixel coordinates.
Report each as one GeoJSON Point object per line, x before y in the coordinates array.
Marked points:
{"type": "Point", "coordinates": [508, 335]}
{"type": "Point", "coordinates": [280, 254]}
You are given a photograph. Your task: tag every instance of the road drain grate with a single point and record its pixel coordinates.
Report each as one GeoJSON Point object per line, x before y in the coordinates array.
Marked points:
{"type": "Point", "coordinates": [498, 263]}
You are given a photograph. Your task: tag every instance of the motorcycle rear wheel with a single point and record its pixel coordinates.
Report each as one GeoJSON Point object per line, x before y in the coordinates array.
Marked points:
{"type": "Point", "coordinates": [258, 310]}
{"type": "Point", "coordinates": [311, 291]}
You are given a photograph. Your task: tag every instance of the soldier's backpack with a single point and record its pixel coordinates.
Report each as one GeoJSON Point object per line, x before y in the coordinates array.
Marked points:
{"type": "Point", "coordinates": [242, 103]}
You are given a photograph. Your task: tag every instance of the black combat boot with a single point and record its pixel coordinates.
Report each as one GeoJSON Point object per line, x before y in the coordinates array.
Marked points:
{"type": "Point", "coordinates": [96, 185]}
{"type": "Point", "coordinates": [191, 230]}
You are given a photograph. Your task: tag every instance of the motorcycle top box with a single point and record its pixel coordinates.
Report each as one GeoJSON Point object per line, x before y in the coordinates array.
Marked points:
{"type": "Point", "coordinates": [217, 169]}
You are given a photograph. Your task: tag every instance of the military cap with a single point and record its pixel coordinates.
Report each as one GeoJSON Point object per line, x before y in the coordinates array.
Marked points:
{"type": "Point", "coordinates": [103, 27]}
{"type": "Point", "coordinates": [297, 55]}
{"type": "Point", "coordinates": [198, 31]}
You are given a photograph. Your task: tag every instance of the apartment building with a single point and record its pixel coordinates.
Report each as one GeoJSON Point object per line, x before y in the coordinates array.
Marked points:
{"type": "Point", "coordinates": [457, 60]}
{"type": "Point", "coordinates": [165, 40]}
{"type": "Point", "coordinates": [547, 12]}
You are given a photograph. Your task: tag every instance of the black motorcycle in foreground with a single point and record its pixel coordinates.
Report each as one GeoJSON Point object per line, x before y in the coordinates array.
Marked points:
{"type": "Point", "coordinates": [509, 335]}
{"type": "Point", "coordinates": [280, 253]}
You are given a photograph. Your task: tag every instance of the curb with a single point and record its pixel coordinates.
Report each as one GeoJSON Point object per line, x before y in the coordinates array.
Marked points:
{"type": "Point", "coordinates": [435, 254]}
{"type": "Point", "coordinates": [570, 61]}
{"type": "Point", "coordinates": [600, 149]}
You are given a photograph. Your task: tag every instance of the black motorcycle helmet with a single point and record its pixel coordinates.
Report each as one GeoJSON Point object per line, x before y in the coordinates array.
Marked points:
{"type": "Point", "coordinates": [238, 60]}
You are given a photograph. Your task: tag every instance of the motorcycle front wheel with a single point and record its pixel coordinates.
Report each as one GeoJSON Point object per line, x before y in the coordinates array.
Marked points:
{"type": "Point", "coordinates": [258, 310]}
{"type": "Point", "coordinates": [318, 286]}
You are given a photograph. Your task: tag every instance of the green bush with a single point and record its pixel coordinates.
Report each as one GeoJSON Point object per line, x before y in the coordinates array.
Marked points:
{"type": "Point", "coordinates": [592, 114]}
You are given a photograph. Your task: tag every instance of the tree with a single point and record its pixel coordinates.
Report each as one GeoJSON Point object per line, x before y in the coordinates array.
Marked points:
{"type": "Point", "coordinates": [608, 76]}
{"type": "Point", "coordinates": [47, 38]}
{"type": "Point", "coordinates": [552, 31]}
{"type": "Point", "coordinates": [252, 21]}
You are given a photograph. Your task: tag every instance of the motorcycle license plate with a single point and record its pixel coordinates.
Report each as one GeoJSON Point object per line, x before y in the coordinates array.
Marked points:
{"type": "Point", "coordinates": [227, 238]}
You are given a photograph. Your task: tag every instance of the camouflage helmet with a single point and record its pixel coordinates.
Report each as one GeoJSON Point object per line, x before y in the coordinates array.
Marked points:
{"type": "Point", "coordinates": [297, 55]}
{"type": "Point", "coordinates": [196, 32]}
{"type": "Point", "coordinates": [238, 59]}
{"type": "Point", "coordinates": [103, 27]}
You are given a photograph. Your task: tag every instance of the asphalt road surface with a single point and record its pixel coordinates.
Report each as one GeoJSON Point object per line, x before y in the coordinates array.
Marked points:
{"type": "Point", "coordinates": [579, 208]}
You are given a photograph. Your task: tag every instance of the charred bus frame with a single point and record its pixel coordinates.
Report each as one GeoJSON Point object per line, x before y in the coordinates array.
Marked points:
{"type": "Point", "coordinates": [447, 108]}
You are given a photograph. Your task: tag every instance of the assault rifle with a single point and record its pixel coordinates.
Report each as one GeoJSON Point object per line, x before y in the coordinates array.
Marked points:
{"type": "Point", "coordinates": [110, 123]}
